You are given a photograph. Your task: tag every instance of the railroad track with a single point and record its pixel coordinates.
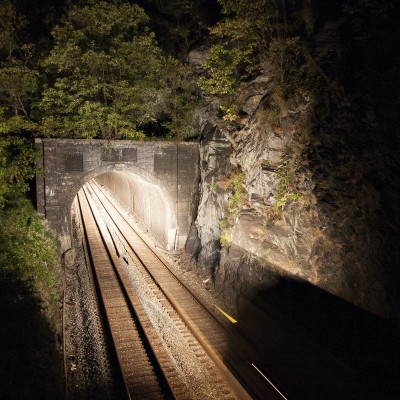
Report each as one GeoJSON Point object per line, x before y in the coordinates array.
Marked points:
{"type": "Point", "coordinates": [154, 319]}
{"type": "Point", "coordinates": [132, 352]}
{"type": "Point", "coordinates": [223, 347]}
{"type": "Point", "coordinates": [158, 354]}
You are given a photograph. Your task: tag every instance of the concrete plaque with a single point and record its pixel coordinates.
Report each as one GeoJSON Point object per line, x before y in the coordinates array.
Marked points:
{"type": "Point", "coordinates": [110, 154]}
{"type": "Point", "coordinates": [73, 162]}
{"type": "Point", "coordinates": [162, 162]}
{"type": "Point", "coordinates": [129, 154]}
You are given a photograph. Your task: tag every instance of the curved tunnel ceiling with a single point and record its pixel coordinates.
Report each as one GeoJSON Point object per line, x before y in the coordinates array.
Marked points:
{"type": "Point", "coordinates": [147, 200]}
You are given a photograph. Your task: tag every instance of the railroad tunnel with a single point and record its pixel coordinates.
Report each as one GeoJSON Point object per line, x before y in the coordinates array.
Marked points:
{"type": "Point", "coordinates": [148, 201]}
{"type": "Point", "coordinates": [156, 181]}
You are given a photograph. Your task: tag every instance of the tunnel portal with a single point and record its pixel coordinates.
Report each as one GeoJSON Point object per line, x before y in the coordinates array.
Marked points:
{"type": "Point", "coordinates": [158, 181]}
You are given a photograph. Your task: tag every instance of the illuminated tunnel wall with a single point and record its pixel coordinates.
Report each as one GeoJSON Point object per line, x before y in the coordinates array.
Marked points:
{"type": "Point", "coordinates": [148, 200]}
{"type": "Point", "coordinates": [157, 180]}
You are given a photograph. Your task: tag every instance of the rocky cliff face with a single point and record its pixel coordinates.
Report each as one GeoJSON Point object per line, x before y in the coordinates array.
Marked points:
{"type": "Point", "coordinates": [279, 200]}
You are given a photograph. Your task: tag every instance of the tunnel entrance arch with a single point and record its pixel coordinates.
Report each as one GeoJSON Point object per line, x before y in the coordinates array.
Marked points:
{"type": "Point", "coordinates": [164, 169]}
{"type": "Point", "coordinates": [148, 200]}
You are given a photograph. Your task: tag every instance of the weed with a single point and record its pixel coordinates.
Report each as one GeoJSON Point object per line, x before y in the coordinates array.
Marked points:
{"type": "Point", "coordinates": [285, 184]}
{"type": "Point", "coordinates": [231, 113]}
{"type": "Point", "coordinates": [239, 193]}
{"type": "Point", "coordinates": [235, 202]}
{"type": "Point", "coordinates": [214, 187]}
{"type": "Point", "coordinates": [223, 223]}
{"type": "Point", "coordinates": [225, 239]}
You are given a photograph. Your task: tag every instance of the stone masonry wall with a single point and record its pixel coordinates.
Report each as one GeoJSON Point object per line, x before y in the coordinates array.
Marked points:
{"type": "Point", "coordinates": [67, 164]}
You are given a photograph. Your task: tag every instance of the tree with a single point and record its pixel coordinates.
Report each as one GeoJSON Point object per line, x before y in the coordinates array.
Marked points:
{"type": "Point", "coordinates": [17, 156]}
{"type": "Point", "coordinates": [106, 67]}
{"type": "Point", "coordinates": [18, 84]}
{"type": "Point", "coordinates": [18, 79]}
{"type": "Point", "coordinates": [255, 34]}
{"type": "Point", "coordinates": [18, 87]}
{"type": "Point", "coordinates": [180, 24]}
{"type": "Point", "coordinates": [240, 38]}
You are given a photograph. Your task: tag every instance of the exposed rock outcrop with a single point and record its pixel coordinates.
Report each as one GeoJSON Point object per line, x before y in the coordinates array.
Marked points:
{"type": "Point", "coordinates": [304, 211]}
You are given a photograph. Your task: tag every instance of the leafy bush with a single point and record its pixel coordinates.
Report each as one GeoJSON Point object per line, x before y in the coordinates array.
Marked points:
{"type": "Point", "coordinates": [236, 200]}
{"type": "Point", "coordinates": [110, 77]}
{"type": "Point", "coordinates": [29, 265]}
{"type": "Point", "coordinates": [27, 246]}
{"type": "Point", "coordinates": [227, 67]}
{"type": "Point", "coordinates": [254, 35]}
{"type": "Point", "coordinates": [180, 101]}
{"type": "Point", "coordinates": [17, 156]}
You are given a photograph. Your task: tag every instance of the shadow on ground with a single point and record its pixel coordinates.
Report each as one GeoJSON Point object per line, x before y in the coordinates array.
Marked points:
{"type": "Point", "coordinates": [313, 345]}
{"type": "Point", "coordinates": [30, 362]}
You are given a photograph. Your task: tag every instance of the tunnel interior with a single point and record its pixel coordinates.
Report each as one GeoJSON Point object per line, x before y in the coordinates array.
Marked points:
{"type": "Point", "coordinates": [147, 200]}
{"type": "Point", "coordinates": [157, 181]}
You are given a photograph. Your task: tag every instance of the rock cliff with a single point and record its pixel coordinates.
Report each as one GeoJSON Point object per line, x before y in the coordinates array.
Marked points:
{"type": "Point", "coordinates": [279, 199]}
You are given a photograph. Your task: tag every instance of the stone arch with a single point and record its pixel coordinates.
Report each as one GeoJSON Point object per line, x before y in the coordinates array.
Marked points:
{"type": "Point", "coordinates": [168, 171]}
{"type": "Point", "coordinates": [164, 229]}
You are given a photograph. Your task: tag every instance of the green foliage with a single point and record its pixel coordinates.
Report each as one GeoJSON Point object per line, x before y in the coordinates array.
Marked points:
{"type": "Point", "coordinates": [255, 34]}
{"type": "Point", "coordinates": [236, 200]}
{"type": "Point", "coordinates": [231, 113]}
{"type": "Point", "coordinates": [180, 100]}
{"type": "Point", "coordinates": [238, 40]}
{"type": "Point", "coordinates": [285, 192]}
{"type": "Point", "coordinates": [29, 267]}
{"type": "Point", "coordinates": [107, 67]}
{"type": "Point", "coordinates": [105, 76]}
{"type": "Point", "coordinates": [18, 85]}
{"type": "Point", "coordinates": [17, 156]}
{"type": "Point", "coordinates": [18, 80]}
{"type": "Point", "coordinates": [239, 193]}
{"type": "Point", "coordinates": [29, 260]}
{"type": "Point", "coordinates": [223, 223]}
{"type": "Point", "coordinates": [227, 67]}
{"type": "Point", "coordinates": [225, 239]}
{"type": "Point", "coordinates": [27, 246]}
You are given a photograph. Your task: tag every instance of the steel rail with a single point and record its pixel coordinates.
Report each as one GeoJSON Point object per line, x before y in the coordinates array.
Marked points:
{"type": "Point", "coordinates": [208, 331]}
{"type": "Point", "coordinates": [220, 376]}
{"type": "Point", "coordinates": [138, 372]}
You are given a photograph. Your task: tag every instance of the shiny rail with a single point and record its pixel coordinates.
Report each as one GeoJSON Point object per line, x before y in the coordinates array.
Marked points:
{"type": "Point", "coordinates": [179, 385]}
{"type": "Point", "coordinates": [140, 378]}
{"type": "Point", "coordinates": [208, 331]}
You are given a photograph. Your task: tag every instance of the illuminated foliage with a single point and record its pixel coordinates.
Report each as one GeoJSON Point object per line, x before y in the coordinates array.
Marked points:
{"type": "Point", "coordinates": [18, 84]}
{"type": "Point", "coordinates": [106, 67]}
{"type": "Point", "coordinates": [255, 35]}
{"type": "Point", "coordinates": [27, 247]}
{"type": "Point", "coordinates": [239, 38]}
